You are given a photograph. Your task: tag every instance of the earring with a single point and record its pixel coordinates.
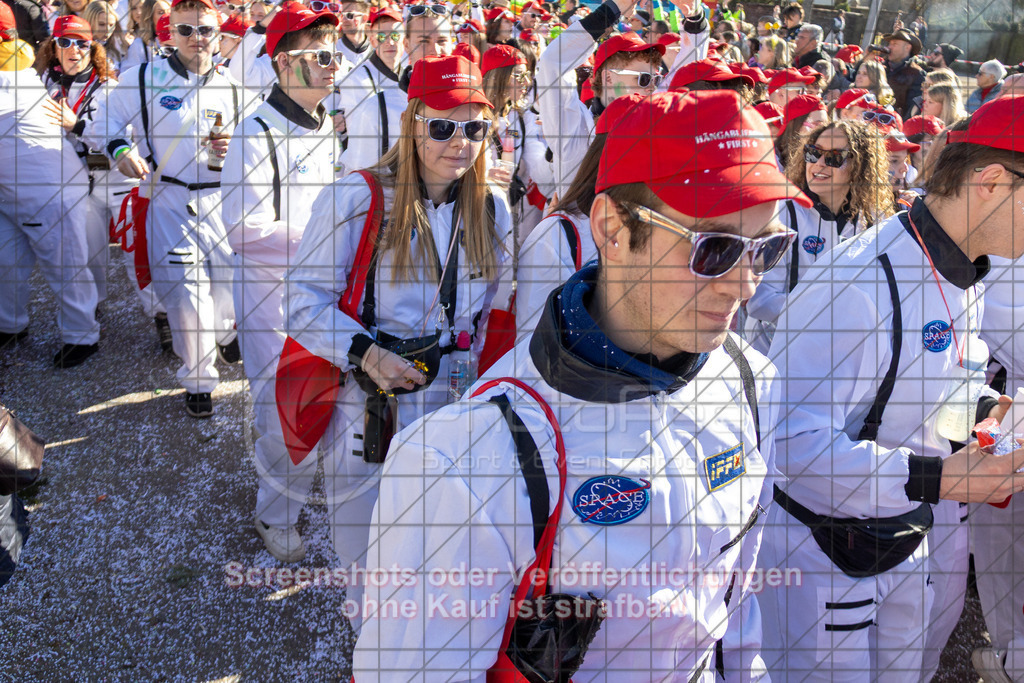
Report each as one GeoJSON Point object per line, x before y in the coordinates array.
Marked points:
{"type": "Point", "coordinates": [615, 243]}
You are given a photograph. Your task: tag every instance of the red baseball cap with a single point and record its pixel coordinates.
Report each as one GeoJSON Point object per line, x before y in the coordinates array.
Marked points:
{"type": "Point", "coordinates": [669, 38]}
{"type": "Point", "coordinates": [528, 36]}
{"type": "Point", "coordinates": [801, 105]}
{"type": "Point", "coordinates": [896, 141]}
{"type": "Point", "coordinates": [495, 12]}
{"type": "Point", "coordinates": [784, 77]}
{"type": "Point", "coordinates": [615, 110]}
{"type": "Point", "coordinates": [471, 26]}
{"type": "Point", "coordinates": [928, 125]}
{"type": "Point", "coordinates": [587, 91]}
{"type": "Point", "coordinates": [716, 46]}
{"type": "Point", "coordinates": [531, 6]}
{"type": "Point", "coordinates": [706, 70]}
{"type": "Point", "coordinates": [447, 82]}
{"type": "Point", "coordinates": [385, 13]}
{"type": "Point", "coordinates": [703, 153]}
{"type": "Point", "coordinates": [208, 3]}
{"type": "Point", "coordinates": [163, 28]}
{"type": "Point", "coordinates": [7, 23]}
{"type": "Point", "coordinates": [998, 123]}
{"type": "Point", "coordinates": [771, 112]}
{"type": "Point", "coordinates": [235, 25]}
{"type": "Point", "coordinates": [499, 56]}
{"type": "Point", "coordinates": [294, 18]}
{"type": "Point", "coordinates": [755, 73]}
{"type": "Point", "coordinates": [70, 26]}
{"type": "Point", "coordinates": [856, 97]}
{"type": "Point", "coordinates": [468, 51]}
{"type": "Point", "coordinates": [849, 53]}
{"type": "Point", "coordinates": [624, 42]}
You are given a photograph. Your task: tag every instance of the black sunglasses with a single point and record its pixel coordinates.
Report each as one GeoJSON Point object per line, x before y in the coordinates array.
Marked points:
{"type": "Point", "coordinates": [80, 43]}
{"type": "Point", "coordinates": [204, 31]}
{"type": "Point", "coordinates": [716, 253]}
{"type": "Point", "coordinates": [880, 117]}
{"type": "Point", "coordinates": [350, 15]}
{"type": "Point", "coordinates": [442, 130]}
{"type": "Point", "coordinates": [834, 158]}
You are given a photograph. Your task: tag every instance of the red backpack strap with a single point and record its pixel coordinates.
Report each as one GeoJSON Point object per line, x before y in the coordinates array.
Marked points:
{"type": "Point", "coordinates": [356, 283]}
{"type": "Point", "coordinates": [536, 576]}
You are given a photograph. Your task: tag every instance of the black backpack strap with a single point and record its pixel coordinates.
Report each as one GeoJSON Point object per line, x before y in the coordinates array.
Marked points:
{"type": "Point", "coordinates": [572, 236]}
{"type": "Point", "coordinates": [273, 164]}
{"type": "Point", "coordinates": [794, 258]}
{"type": "Point", "coordinates": [869, 432]}
{"type": "Point", "coordinates": [144, 112]}
{"type": "Point", "coordinates": [531, 465]}
{"type": "Point", "coordinates": [747, 377]}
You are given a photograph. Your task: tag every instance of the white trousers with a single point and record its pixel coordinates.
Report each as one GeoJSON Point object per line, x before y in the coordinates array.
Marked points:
{"type": "Point", "coordinates": [822, 625]}
{"type": "Point", "coordinates": [192, 270]}
{"type": "Point", "coordinates": [283, 485]}
{"type": "Point", "coordinates": [949, 556]}
{"type": "Point", "coordinates": [999, 564]}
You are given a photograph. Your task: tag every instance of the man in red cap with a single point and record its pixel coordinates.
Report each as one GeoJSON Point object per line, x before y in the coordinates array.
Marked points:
{"type": "Point", "coordinates": [677, 469]}
{"type": "Point", "coordinates": [42, 209]}
{"type": "Point", "coordinates": [868, 349]}
{"type": "Point", "coordinates": [623, 64]}
{"type": "Point", "coordinates": [158, 126]}
{"type": "Point", "coordinates": [281, 156]}
{"type": "Point", "coordinates": [787, 84]}
{"type": "Point", "coordinates": [529, 17]}
{"type": "Point", "coordinates": [370, 96]}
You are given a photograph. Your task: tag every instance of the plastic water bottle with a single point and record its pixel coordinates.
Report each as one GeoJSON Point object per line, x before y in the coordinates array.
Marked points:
{"type": "Point", "coordinates": [959, 411]}
{"type": "Point", "coordinates": [460, 367]}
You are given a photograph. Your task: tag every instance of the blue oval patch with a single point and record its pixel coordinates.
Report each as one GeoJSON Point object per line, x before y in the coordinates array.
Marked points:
{"type": "Point", "coordinates": [937, 336]}
{"type": "Point", "coordinates": [170, 102]}
{"type": "Point", "coordinates": [611, 499]}
{"type": "Point", "coordinates": [814, 245]}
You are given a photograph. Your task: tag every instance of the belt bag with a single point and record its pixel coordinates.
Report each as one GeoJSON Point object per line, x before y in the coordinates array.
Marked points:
{"type": "Point", "coordinates": [423, 352]}
{"type": "Point", "coordinates": [863, 547]}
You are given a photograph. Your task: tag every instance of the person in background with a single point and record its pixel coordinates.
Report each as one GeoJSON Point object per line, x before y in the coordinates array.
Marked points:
{"type": "Point", "coordinates": [943, 102]}
{"type": "Point", "coordinates": [942, 56]}
{"type": "Point", "coordinates": [231, 33]}
{"type": "Point", "coordinates": [871, 76]}
{"type": "Point", "coordinates": [792, 20]}
{"type": "Point", "coordinates": [802, 114]}
{"type": "Point", "coordinates": [922, 130]}
{"type": "Point", "coordinates": [106, 30]}
{"type": "Point", "coordinates": [904, 76]}
{"type": "Point", "coordinates": [852, 104]}
{"type": "Point", "coordinates": [805, 46]}
{"type": "Point", "coordinates": [354, 43]}
{"type": "Point", "coordinates": [774, 53]}
{"type": "Point", "coordinates": [499, 25]}
{"type": "Point", "coordinates": [32, 21]}
{"type": "Point", "coordinates": [786, 84]}
{"type": "Point", "coordinates": [42, 215]}
{"type": "Point", "coordinates": [146, 46]}
{"type": "Point", "coordinates": [837, 31]}
{"type": "Point", "coordinates": [990, 81]}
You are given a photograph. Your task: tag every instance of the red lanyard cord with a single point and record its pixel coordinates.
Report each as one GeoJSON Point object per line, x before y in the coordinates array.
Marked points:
{"type": "Point", "coordinates": [935, 274]}
{"type": "Point", "coordinates": [85, 92]}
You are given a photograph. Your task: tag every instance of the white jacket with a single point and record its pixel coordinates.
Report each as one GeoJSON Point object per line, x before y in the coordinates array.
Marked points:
{"type": "Point", "coordinates": [305, 151]}
{"type": "Point", "coordinates": [1004, 318]}
{"type": "Point", "coordinates": [172, 96]}
{"type": "Point", "coordinates": [452, 497]}
{"type": "Point", "coordinates": [248, 67]}
{"type": "Point", "coordinates": [358, 94]}
{"type": "Point", "coordinates": [833, 347]}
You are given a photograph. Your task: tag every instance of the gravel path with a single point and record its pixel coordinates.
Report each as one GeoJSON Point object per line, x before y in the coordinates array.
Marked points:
{"type": "Point", "coordinates": [124, 577]}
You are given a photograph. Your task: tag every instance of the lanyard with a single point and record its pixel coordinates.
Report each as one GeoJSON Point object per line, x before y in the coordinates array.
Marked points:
{"type": "Point", "coordinates": [935, 274]}
{"type": "Point", "coordinates": [85, 92]}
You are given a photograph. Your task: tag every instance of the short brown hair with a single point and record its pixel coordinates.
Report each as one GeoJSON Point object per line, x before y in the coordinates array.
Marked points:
{"type": "Point", "coordinates": [641, 195]}
{"type": "Point", "coordinates": [959, 159]}
{"type": "Point", "coordinates": [189, 5]}
{"type": "Point", "coordinates": [793, 8]}
{"type": "Point", "coordinates": [618, 60]}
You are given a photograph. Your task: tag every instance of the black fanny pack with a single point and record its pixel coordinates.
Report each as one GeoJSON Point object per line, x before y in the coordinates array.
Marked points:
{"type": "Point", "coordinates": [863, 547]}
{"type": "Point", "coordinates": [423, 352]}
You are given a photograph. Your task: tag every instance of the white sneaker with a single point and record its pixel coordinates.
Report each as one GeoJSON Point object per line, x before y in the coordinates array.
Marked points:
{"type": "Point", "coordinates": [989, 664]}
{"type": "Point", "coordinates": [284, 544]}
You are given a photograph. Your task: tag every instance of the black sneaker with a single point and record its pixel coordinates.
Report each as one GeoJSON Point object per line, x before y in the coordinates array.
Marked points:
{"type": "Point", "coordinates": [163, 332]}
{"type": "Point", "coordinates": [12, 338]}
{"type": "Point", "coordinates": [230, 353]}
{"type": "Point", "coordinates": [198, 405]}
{"type": "Point", "coordinates": [71, 355]}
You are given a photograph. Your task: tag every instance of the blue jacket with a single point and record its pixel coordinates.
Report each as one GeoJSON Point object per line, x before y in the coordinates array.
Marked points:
{"type": "Point", "coordinates": [975, 100]}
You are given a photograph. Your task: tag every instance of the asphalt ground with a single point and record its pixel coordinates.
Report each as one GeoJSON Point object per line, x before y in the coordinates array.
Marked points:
{"type": "Point", "coordinates": [144, 523]}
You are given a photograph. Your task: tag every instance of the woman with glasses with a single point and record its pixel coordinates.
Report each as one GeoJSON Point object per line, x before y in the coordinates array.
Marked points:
{"type": "Point", "coordinates": [517, 147]}
{"type": "Point", "coordinates": [107, 31]}
{"type": "Point", "coordinates": [75, 71]}
{"type": "Point", "coordinates": [146, 47]}
{"type": "Point", "coordinates": [844, 169]}
{"type": "Point", "coordinates": [426, 282]}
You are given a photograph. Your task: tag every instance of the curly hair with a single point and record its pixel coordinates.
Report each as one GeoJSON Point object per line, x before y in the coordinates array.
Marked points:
{"type": "Point", "coordinates": [871, 196]}
{"type": "Point", "coordinates": [46, 58]}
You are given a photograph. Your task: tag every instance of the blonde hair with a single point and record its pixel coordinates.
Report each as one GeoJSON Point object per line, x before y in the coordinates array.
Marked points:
{"type": "Point", "coordinates": [943, 75]}
{"type": "Point", "coordinates": [952, 103]}
{"type": "Point", "coordinates": [399, 168]}
{"type": "Point", "coordinates": [781, 51]}
{"type": "Point", "coordinates": [116, 45]}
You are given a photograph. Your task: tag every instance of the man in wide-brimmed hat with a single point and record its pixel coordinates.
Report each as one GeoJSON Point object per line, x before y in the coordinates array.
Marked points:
{"type": "Point", "coordinates": [905, 77]}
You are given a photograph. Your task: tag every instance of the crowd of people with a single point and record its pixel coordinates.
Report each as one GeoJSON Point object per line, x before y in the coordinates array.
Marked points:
{"type": "Point", "coordinates": [615, 308]}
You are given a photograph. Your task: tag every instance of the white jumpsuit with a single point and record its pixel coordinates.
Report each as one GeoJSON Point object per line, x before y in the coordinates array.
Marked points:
{"type": "Point", "coordinates": [370, 96]}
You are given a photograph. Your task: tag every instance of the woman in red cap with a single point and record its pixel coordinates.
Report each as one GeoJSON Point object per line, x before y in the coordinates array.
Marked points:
{"type": "Point", "coordinates": [75, 69]}
{"type": "Point", "coordinates": [922, 130]}
{"type": "Point", "coordinates": [843, 168]}
{"type": "Point", "coordinates": [517, 147]}
{"type": "Point", "coordinates": [802, 115]}
{"type": "Point", "coordinates": [499, 25]}
{"type": "Point", "coordinates": [472, 32]}
{"type": "Point", "coordinates": [428, 284]}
